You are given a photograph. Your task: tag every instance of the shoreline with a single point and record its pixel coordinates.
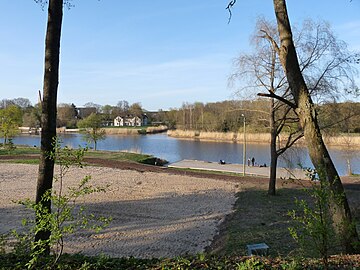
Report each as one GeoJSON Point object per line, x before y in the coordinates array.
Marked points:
{"type": "Point", "coordinates": [142, 130]}
{"type": "Point", "coordinates": [349, 143]}
{"type": "Point", "coordinates": [341, 141]}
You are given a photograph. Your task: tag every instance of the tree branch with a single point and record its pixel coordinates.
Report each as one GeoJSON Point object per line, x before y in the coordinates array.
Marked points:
{"type": "Point", "coordinates": [272, 41]}
{"type": "Point", "coordinates": [229, 7]}
{"type": "Point", "coordinates": [273, 95]}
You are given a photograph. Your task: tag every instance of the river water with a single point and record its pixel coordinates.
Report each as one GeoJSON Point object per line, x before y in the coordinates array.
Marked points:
{"type": "Point", "coordinates": [173, 149]}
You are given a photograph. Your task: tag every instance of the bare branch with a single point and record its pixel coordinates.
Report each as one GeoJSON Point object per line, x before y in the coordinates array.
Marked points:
{"type": "Point", "coordinates": [272, 41]}
{"type": "Point", "coordinates": [229, 7]}
{"type": "Point", "coordinates": [273, 95]}
{"type": "Point", "coordinates": [290, 142]}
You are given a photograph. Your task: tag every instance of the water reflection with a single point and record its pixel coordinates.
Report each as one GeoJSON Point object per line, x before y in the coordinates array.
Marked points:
{"type": "Point", "coordinates": [172, 149]}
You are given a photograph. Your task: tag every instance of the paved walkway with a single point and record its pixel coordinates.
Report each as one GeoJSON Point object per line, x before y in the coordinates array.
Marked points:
{"type": "Point", "coordinates": [237, 168]}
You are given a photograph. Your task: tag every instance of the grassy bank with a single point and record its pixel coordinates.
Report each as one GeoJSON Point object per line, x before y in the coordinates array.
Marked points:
{"type": "Point", "coordinates": [344, 140]}
{"type": "Point", "coordinates": [30, 155]}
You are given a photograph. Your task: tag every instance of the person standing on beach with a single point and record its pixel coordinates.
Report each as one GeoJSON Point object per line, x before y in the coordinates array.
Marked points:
{"type": "Point", "coordinates": [253, 161]}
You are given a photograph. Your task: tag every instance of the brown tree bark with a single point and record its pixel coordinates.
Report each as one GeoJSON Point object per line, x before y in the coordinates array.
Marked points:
{"type": "Point", "coordinates": [48, 117]}
{"type": "Point", "coordinates": [308, 119]}
{"type": "Point", "coordinates": [273, 152]}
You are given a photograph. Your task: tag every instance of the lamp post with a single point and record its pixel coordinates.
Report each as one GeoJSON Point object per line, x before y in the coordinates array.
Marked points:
{"type": "Point", "coordinates": [244, 145]}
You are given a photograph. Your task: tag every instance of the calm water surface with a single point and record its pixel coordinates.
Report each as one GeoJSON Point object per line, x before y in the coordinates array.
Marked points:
{"type": "Point", "coordinates": [172, 149]}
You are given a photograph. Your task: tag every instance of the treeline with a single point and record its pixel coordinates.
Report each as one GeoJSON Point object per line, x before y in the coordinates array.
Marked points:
{"type": "Point", "coordinates": [68, 115]}
{"type": "Point", "coordinates": [230, 115]}
{"type": "Point", "coordinates": [222, 116]}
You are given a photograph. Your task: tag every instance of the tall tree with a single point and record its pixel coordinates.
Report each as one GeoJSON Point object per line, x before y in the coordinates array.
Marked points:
{"type": "Point", "coordinates": [262, 68]}
{"type": "Point", "coordinates": [123, 107]}
{"type": "Point", "coordinates": [136, 109]}
{"type": "Point", "coordinates": [324, 61]}
{"type": "Point", "coordinates": [305, 110]}
{"type": "Point", "coordinates": [308, 119]}
{"type": "Point", "coordinates": [48, 116]}
{"type": "Point", "coordinates": [93, 105]}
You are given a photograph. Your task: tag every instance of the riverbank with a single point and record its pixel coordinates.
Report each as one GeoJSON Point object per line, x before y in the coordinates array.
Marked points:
{"type": "Point", "coordinates": [108, 130]}
{"type": "Point", "coordinates": [344, 141]}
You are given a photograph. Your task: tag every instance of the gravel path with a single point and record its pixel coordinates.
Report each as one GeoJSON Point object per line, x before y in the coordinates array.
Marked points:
{"type": "Point", "coordinates": [154, 214]}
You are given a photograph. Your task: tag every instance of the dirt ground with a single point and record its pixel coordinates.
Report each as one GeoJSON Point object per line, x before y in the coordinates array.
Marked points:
{"type": "Point", "coordinates": [155, 214]}
{"type": "Point", "coordinates": [157, 211]}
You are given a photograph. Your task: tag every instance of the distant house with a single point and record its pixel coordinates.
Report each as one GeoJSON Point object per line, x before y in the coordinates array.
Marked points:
{"type": "Point", "coordinates": [130, 121]}
{"type": "Point", "coordinates": [119, 121]}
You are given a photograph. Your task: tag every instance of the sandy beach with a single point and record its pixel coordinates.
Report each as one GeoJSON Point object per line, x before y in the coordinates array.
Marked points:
{"type": "Point", "coordinates": [154, 214]}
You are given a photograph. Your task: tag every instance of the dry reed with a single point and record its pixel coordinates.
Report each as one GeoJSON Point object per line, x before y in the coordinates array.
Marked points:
{"type": "Point", "coordinates": [341, 141]}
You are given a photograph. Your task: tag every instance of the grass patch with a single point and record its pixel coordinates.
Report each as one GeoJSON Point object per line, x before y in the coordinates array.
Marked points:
{"type": "Point", "coordinates": [20, 151]}
{"type": "Point", "coordinates": [106, 155]}
{"type": "Point", "coordinates": [259, 218]}
{"type": "Point", "coordinates": [22, 161]}
{"type": "Point", "coordinates": [209, 172]}
{"type": "Point", "coordinates": [122, 156]}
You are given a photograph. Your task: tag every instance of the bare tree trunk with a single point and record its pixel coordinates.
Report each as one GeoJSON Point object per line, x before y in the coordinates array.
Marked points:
{"type": "Point", "coordinates": [48, 117]}
{"type": "Point", "coordinates": [305, 109]}
{"type": "Point", "coordinates": [273, 152]}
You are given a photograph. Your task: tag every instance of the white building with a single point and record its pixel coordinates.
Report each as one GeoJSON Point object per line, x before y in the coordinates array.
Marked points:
{"type": "Point", "coordinates": [130, 121]}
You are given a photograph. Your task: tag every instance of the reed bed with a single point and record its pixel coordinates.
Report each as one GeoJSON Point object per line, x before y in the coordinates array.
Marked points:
{"type": "Point", "coordinates": [121, 131]}
{"type": "Point", "coordinates": [220, 136]}
{"type": "Point", "coordinates": [217, 136]}
{"type": "Point", "coordinates": [158, 129]}
{"type": "Point", "coordinates": [352, 140]}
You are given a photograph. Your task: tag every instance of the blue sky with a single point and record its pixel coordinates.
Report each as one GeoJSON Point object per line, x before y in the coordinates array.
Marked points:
{"type": "Point", "coordinates": [160, 53]}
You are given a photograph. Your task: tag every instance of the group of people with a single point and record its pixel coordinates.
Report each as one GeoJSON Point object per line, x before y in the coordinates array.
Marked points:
{"type": "Point", "coordinates": [251, 162]}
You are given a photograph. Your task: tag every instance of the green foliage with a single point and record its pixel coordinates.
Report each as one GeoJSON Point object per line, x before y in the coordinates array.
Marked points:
{"type": "Point", "coordinates": [21, 151]}
{"type": "Point", "coordinates": [9, 147]}
{"type": "Point", "coordinates": [314, 229]}
{"type": "Point", "coordinates": [66, 217]}
{"type": "Point", "coordinates": [250, 264]}
{"type": "Point", "coordinates": [142, 131]}
{"type": "Point", "coordinates": [78, 261]}
{"type": "Point", "coordinates": [32, 116]}
{"type": "Point", "coordinates": [10, 120]}
{"type": "Point", "coordinates": [92, 128]}
{"type": "Point", "coordinates": [3, 242]}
